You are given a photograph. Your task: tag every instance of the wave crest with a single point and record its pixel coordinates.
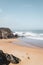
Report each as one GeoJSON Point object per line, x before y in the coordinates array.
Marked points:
{"type": "Point", "coordinates": [30, 35]}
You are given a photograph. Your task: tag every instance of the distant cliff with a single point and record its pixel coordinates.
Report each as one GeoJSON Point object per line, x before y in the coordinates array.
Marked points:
{"type": "Point", "coordinates": [6, 33]}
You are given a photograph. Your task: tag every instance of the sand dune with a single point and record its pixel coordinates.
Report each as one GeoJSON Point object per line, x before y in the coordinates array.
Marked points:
{"type": "Point", "coordinates": [28, 56]}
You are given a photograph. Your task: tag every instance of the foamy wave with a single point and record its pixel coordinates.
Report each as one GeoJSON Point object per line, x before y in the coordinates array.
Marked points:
{"type": "Point", "coordinates": [30, 35]}
{"type": "Point", "coordinates": [37, 38]}
{"type": "Point", "coordinates": [18, 33]}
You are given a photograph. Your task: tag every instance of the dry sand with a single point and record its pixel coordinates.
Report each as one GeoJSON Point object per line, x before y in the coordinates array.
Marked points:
{"type": "Point", "coordinates": [28, 56]}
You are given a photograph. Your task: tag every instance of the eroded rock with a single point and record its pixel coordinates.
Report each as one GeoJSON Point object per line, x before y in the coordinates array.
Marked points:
{"type": "Point", "coordinates": [6, 33]}
{"type": "Point", "coordinates": [6, 59]}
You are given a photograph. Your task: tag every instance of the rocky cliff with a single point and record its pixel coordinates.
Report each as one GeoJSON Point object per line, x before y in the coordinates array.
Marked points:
{"type": "Point", "coordinates": [6, 33]}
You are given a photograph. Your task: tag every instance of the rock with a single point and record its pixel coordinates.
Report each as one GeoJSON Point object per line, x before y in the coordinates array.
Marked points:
{"type": "Point", "coordinates": [12, 58]}
{"type": "Point", "coordinates": [3, 59]}
{"type": "Point", "coordinates": [16, 35]}
{"type": "Point", "coordinates": [6, 33]}
{"type": "Point", "coordinates": [6, 59]}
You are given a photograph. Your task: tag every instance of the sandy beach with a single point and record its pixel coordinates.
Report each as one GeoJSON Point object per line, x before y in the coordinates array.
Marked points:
{"type": "Point", "coordinates": [28, 56]}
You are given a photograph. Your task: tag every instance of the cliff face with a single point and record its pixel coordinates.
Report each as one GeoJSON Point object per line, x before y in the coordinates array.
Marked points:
{"type": "Point", "coordinates": [6, 33]}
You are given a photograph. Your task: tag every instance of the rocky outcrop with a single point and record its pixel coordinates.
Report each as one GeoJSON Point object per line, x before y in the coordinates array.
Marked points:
{"type": "Point", "coordinates": [6, 59]}
{"type": "Point", "coordinates": [6, 33]}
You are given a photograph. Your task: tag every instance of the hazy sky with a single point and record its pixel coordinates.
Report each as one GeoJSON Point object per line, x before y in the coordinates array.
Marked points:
{"type": "Point", "coordinates": [21, 14]}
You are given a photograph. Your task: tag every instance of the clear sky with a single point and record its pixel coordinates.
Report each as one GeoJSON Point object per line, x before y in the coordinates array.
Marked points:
{"type": "Point", "coordinates": [21, 14]}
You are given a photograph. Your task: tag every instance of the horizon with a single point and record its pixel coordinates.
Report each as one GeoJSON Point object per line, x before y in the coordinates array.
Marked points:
{"type": "Point", "coordinates": [21, 14]}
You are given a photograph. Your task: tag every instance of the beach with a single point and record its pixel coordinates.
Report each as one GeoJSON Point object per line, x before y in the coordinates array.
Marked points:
{"type": "Point", "coordinates": [28, 55]}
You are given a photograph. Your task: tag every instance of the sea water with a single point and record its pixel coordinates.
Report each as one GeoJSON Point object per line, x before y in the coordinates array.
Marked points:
{"type": "Point", "coordinates": [34, 37]}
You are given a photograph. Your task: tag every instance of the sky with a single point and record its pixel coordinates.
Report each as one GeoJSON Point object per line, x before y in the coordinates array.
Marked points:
{"type": "Point", "coordinates": [21, 14]}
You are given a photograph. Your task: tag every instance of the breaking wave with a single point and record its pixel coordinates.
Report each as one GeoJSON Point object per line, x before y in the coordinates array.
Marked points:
{"type": "Point", "coordinates": [38, 36]}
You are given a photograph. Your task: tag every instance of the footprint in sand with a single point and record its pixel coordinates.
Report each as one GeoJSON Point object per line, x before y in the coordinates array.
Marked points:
{"type": "Point", "coordinates": [26, 56]}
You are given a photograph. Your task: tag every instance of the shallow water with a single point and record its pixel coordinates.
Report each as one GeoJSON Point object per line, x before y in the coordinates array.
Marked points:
{"type": "Point", "coordinates": [30, 42]}
{"type": "Point", "coordinates": [34, 42]}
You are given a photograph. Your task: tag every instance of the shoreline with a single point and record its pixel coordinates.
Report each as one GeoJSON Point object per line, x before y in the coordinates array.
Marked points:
{"type": "Point", "coordinates": [29, 43]}
{"type": "Point", "coordinates": [28, 55]}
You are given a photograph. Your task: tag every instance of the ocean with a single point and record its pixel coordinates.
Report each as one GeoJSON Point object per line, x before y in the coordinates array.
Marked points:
{"type": "Point", "coordinates": [34, 37]}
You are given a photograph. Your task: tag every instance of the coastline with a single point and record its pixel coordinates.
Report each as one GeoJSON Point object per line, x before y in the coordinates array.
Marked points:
{"type": "Point", "coordinates": [29, 42]}
{"type": "Point", "coordinates": [23, 52]}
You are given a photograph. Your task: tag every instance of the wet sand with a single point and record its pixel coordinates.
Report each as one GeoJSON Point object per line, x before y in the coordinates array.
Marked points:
{"type": "Point", "coordinates": [28, 55]}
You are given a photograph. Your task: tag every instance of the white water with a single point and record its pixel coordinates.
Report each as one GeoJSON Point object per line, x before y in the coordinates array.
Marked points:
{"type": "Point", "coordinates": [31, 35]}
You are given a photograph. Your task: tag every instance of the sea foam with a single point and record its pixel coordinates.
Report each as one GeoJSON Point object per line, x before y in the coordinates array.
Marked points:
{"type": "Point", "coordinates": [38, 36]}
